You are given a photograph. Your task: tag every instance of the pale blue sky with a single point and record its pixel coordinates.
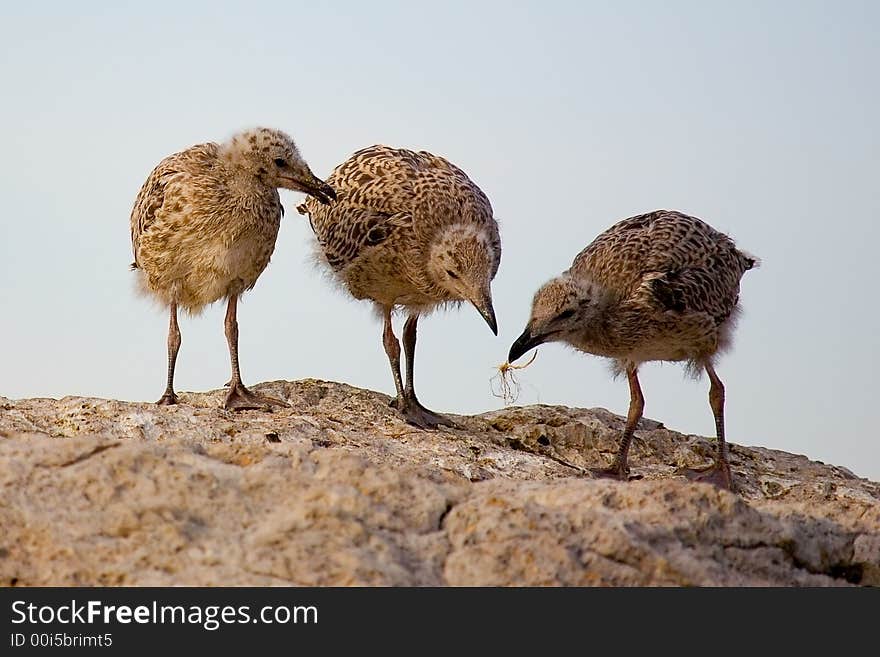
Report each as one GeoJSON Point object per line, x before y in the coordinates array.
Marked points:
{"type": "Point", "coordinates": [760, 117]}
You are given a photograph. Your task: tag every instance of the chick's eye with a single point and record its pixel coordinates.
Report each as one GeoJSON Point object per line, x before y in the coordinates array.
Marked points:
{"type": "Point", "coordinates": [566, 314]}
{"type": "Point", "coordinates": [280, 163]}
{"type": "Point", "coordinates": [451, 273]}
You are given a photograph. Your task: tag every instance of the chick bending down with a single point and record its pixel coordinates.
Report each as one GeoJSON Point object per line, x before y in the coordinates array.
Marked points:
{"type": "Point", "coordinates": [203, 228]}
{"type": "Point", "coordinates": [660, 286]}
{"type": "Point", "coordinates": [408, 230]}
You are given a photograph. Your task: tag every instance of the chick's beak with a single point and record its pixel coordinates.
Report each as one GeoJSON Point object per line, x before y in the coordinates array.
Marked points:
{"type": "Point", "coordinates": [316, 187]}
{"type": "Point", "coordinates": [484, 307]}
{"type": "Point", "coordinates": [523, 343]}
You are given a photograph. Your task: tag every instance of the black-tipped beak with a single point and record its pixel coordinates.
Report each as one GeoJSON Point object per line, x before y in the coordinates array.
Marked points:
{"type": "Point", "coordinates": [321, 191]}
{"type": "Point", "coordinates": [316, 187]}
{"type": "Point", "coordinates": [489, 316]}
{"type": "Point", "coordinates": [523, 343]}
{"type": "Point", "coordinates": [488, 313]}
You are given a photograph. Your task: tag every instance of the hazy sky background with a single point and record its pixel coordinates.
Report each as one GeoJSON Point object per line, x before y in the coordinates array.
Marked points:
{"type": "Point", "coordinates": [760, 117]}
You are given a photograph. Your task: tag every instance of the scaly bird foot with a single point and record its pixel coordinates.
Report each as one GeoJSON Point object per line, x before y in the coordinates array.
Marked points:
{"type": "Point", "coordinates": [240, 398]}
{"type": "Point", "coordinates": [417, 415]}
{"type": "Point", "coordinates": [168, 399]}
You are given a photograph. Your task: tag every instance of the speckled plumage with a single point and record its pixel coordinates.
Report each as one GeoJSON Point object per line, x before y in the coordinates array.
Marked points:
{"type": "Point", "coordinates": [672, 286]}
{"type": "Point", "coordinates": [393, 207]}
{"type": "Point", "coordinates": [201, 231]}
{"type": "Point", "coordinates": [204, 224]}
{"type": "Point", "coordinates": [411, 230]}
{"type": "Point", "coordinates": [658, 286]}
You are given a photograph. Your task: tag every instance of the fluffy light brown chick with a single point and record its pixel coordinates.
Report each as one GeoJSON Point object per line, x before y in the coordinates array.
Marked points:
{"type": "Point", "coordinates": [410, 230]}
{"type": "Point", "coordinates": [203, 228]}
{"type": "Point", "coordinates": [658, 286]}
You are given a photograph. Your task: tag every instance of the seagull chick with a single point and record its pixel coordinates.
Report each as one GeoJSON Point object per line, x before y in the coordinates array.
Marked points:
{"type": "Point", "coordinates": [659, 286]}
{"type": "Point", "coordinates": [408, 230]}
{"type": "Point", "coordinates": [203, 227]}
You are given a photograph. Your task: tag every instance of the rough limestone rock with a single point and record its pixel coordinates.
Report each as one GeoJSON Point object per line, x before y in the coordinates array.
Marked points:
{"type": "Point", "coordinates": [337, 490]}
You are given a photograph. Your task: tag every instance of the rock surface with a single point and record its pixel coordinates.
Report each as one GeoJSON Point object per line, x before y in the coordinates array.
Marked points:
{"type": "Point", "coordinates": [337, 490]}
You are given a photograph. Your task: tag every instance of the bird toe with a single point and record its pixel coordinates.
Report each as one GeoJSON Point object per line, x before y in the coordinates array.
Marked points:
{"type": "Point", "coordinates": [240, 398]}
{"type": "Point", "coordinates": [419, 416]}
{"type": "Point", "coordinates": [168, 399]}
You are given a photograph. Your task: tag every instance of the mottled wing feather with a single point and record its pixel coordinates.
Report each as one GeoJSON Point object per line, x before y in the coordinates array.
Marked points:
{"type": "Point", "coordinates": [444, 194]}
{"type": "Point", "coordinates": [149, 200]}
{"type": "Point", "coordinates": [344, 231]}
{"type": "Point", "coordinates": [376, 178]}
{"type": "Point", "coordinates": [157, 190]}
{"type": "Point", "coordinates": [382, 189]}
{"type": "Point", "coordinates": [667, 290]}
{"type": "Point", "coordinates": [685, 264]}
